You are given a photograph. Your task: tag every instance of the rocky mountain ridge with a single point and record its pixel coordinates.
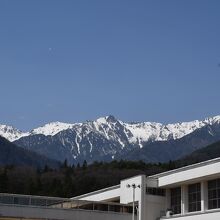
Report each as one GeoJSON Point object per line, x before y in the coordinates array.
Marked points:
{"type": "Point", "coordinates": [102, 139]}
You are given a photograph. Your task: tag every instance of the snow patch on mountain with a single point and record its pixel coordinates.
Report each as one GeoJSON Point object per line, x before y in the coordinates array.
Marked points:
{"type": "Point", "coordinates": [142, 132]}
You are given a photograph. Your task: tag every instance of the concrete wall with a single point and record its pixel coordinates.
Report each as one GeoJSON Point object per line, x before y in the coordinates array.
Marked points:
{"type": "Point", "coordinates": [126, 194]}
{"type": "Point", "coordinates": [59, 214]}
{"type": "Point", "coordinates": [203, 216]}
{"type": "Point", "coordinates": [153, 206]}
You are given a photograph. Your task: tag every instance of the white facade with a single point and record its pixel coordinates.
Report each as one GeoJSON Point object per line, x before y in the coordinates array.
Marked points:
{"type": "Point", "coordinates": [9, 212]}
{"type": "Point", "coordinates": [188, 193]}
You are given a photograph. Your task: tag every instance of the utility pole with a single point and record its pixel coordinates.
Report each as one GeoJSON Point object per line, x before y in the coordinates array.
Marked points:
{"type": "Point", "coordinates": [133, 186]}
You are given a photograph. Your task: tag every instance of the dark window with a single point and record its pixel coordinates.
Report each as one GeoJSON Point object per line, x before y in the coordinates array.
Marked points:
{"type": "Point", "coordinates": [176, 200]}
{"type": "Point", "coordinates": [214, 194]}
{"type": "Point", "coordinates": [155, 191]}
{"type": "Point", "coordinates": [194, 196]}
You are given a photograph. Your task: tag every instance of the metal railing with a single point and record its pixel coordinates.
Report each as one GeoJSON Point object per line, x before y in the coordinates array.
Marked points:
{"type": "Point", "coordinates": [62, 203]}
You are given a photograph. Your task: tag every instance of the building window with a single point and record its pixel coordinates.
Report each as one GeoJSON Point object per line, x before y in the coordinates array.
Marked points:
{"type": "Point", "coordinates": [155, 191]}
{"type": "Point", "coordinates": [194, 196]}
{"type": "Point", "coordinates": [176, 200]}
{"type": "Point", "coordinates": [214, 194]}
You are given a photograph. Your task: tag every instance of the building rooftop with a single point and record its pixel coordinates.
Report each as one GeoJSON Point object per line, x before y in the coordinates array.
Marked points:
{"type": "Point", "coordinates": [192, 166]}
{"type": "Point", "coordinates": [97, 192]}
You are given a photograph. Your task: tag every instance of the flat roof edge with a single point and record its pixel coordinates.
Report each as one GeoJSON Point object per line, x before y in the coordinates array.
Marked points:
{"type": "Point", "coordinates": [96, 192]}
{"type": "Point", "coordinates": [140, 175]}
{"type": "Point", "coordinates": [192, 166]}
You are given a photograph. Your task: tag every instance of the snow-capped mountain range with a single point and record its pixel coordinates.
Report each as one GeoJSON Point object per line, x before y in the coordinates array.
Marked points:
{"type": "Point", "coordinates": [104, 137]}
{"type": "Point", "coordinates": [136, 132]}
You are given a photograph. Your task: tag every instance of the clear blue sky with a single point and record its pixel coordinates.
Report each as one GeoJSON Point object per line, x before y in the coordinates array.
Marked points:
{"type": "Point", "coordinates": [138, 60]}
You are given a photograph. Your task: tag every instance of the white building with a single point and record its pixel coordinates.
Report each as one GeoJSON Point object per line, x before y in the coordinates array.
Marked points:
{"type": "Point", "coordinates": [187, 193]}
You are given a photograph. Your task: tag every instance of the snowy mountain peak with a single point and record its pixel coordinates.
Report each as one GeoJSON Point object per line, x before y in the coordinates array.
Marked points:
{"type": "Point", "coordinates": [105, 120]}
{"type": "Point", "coordinates": [11, 133]}
{"type": "Point", "coordinates": [111, 119]}
{"type": "Point", "coordinates": [52, 128]}
{"type": "Point", "coordinates": [213, 120]}
{"type": "Point", "coordinates": [102, 120]}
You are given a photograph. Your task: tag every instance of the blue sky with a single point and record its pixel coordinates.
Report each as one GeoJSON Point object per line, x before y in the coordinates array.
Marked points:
{"type": "Point", "coordinates": [138, 60]}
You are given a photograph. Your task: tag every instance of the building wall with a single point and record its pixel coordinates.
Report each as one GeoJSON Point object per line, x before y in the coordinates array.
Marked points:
{"type": "Point", "coordinates": [126, 194]}
{"type": "Point", "coordinates": [150, 206]}
{"type": "Point", "coordinates": [195, 173]}
{"type": "Point", "coordinates": [203, 216]}
{"type": "Point", "coordinates": [154, 205]}
{"type": "Point", "coordinates": [59, 214]}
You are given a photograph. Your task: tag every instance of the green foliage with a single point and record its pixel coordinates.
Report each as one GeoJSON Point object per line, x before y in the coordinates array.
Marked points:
{"type": "Point", "coordinates": [3, 180]}
{"type": "Point", "coordinates": [69, 181]}
{"type": "Point", "coordinates": [84, 166]}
